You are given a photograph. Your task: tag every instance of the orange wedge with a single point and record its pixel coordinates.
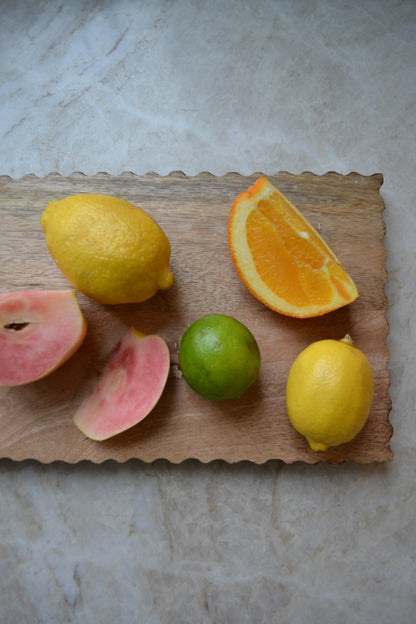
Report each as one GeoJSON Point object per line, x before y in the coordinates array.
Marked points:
{"type": "Point", "coordinates": [282, 259]}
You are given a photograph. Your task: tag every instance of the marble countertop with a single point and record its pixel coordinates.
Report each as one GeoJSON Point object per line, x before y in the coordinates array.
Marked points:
{"type": "Point", "coordinates": [266, 86]}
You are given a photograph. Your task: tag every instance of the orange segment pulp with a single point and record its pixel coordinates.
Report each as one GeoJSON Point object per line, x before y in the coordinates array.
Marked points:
{"type": "Point", "coordinates": [281, 258]}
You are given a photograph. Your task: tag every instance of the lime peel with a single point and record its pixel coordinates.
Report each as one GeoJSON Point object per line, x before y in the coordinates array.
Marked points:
{"type": "Point", "coordinates": [219, 357]}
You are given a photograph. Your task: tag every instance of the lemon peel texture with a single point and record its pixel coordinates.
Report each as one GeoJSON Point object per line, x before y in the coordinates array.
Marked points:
{"type": "Point", "coordinates": [329, 392]}
{"type": "Point", "coordinates": [107, 248]}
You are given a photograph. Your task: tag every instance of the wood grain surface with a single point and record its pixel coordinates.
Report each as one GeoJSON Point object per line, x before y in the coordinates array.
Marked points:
{"type": "Point", "coordinates": [36, 419]}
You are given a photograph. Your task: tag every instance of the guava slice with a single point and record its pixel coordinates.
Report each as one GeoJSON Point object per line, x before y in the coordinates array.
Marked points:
{"type": "Point", "coordinates": [39, 331]}
{"type": "Point", "coordinates": [129, 387]}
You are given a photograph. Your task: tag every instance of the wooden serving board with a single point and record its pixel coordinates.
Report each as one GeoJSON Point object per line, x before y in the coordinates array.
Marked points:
{"type": "Point", "coordinates": [36, 419]}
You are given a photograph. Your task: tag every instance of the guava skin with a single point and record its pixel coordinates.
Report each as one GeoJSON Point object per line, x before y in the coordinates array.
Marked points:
{"type": "Point", "coordinates": [129, 387]}
{"type": "Point", "coordinates": [39, 331]}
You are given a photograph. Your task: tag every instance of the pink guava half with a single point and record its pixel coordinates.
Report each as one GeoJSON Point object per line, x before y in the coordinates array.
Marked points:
{"type": "Point", "coordinates": [39, 331]}
{"type": "Point", "coordinates": [129, 387]}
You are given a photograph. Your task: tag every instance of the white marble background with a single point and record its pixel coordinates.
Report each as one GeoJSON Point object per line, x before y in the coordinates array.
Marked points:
{"type": "Point", "coordinates": [193, 85]}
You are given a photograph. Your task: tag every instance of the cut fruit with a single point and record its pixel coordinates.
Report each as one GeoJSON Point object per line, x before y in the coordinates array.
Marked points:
{"type": "Point", "coordinates": [129, 388]}
{"type": "Point", "coordinates": [39, 331]}
{"type": "Point", "coordinates": [282, 259]}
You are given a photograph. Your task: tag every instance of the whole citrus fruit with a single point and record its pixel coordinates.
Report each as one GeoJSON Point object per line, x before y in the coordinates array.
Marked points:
{"type": "Point", "coordinates": [107, 248]}
{"type": "Point", "coordinates": [329, 392]}
{"type": "Point", "coordinates": [219, 357]}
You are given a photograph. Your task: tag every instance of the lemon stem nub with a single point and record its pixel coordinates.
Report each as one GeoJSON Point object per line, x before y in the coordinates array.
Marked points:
{"type": "Point", "coordinates": [348, 340]}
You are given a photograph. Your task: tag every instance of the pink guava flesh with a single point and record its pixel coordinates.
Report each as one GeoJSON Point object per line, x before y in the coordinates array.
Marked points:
{"type": "Point", "coordinates": [39, 331]}
{"type": "Point", "coordinates": [129, 387]}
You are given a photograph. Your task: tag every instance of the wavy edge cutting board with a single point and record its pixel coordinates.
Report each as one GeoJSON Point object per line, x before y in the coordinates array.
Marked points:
{"type": "Point", "coordinates": [36, 420]}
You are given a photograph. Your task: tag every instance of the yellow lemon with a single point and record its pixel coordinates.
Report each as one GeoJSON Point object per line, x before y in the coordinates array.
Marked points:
{"type": "Point", "coordinates": [329, 392]}
{"type": "Point", "coordinates": [107, 248]}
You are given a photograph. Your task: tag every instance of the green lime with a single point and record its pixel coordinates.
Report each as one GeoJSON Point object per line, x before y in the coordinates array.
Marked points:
{"type": "Point", "coordinates": [219, 357]}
